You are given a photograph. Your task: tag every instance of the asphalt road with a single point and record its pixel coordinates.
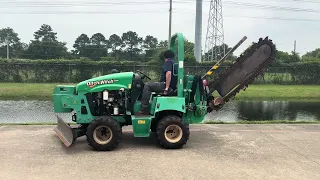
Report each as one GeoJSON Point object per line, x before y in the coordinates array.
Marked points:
{"type": "Point", "coordinates": [213, 152]}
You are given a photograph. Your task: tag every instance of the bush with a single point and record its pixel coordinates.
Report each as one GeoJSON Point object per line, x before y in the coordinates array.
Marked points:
{"type": "Point", "coordinates": [49, 71]}
{"type": "Point", "coordinates": [305, 72]}
{"type": "Point", "coordinates": [73, 71]}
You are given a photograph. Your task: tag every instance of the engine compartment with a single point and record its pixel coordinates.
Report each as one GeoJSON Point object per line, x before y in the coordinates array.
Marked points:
{"type": "Point", "coordinates": [115, 102]}
{"type": "Point", "coordinates": [107, 102]}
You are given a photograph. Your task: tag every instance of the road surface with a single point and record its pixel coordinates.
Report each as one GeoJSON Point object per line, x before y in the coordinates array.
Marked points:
{"type": "Point", "coordinates": [213, 152]}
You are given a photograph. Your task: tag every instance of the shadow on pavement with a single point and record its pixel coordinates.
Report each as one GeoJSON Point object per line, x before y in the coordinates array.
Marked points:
{"type": "Point", "coordinates": [197, 141]}
{"type": "Point", "coordinates": [129, 142]}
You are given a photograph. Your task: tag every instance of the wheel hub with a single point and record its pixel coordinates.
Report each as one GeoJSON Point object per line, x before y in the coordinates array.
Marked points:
{"type": "Point", "coordinates": [102, 134]}
{"type": "Point", "coordinates": [173, 133]}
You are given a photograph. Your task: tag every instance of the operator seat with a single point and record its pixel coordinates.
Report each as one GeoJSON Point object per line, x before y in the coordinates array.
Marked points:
{"type": "Point", "coordinates": [171, 92]}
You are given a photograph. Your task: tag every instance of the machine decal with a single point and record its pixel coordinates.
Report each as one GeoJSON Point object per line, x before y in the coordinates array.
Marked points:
{"type": "Point", "coordinates": [141, 122]}
{"type": "Point", "coordinates": [106, 81]}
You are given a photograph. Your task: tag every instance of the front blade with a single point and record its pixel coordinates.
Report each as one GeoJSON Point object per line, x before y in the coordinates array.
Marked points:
{"type": "Point", "coordinates": [64, 132]}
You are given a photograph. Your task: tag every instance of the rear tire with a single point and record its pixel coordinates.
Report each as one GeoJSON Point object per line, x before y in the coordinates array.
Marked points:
{"type": "Point", "coordinates": [172, 132]}
{"type": "Point", "coordinates": [153, 127]}
{"type": "Point", "coordinates": [104, 134]}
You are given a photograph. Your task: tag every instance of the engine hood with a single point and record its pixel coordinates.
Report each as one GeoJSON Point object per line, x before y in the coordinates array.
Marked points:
{"type": "Point", "coordinates": [111, 81]}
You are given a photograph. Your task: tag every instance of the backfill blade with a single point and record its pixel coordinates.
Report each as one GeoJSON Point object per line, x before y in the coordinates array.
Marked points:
{"type": "Point", "coordinates": [64, 132]}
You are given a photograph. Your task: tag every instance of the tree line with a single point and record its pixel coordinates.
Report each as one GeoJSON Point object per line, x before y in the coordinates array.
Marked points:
{"type": "Point", "coordinates": [128, 46]}
{"type": "Point", "coordinates": [45, 45]}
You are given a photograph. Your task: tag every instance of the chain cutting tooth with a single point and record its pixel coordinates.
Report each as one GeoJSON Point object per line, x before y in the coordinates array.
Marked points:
{"type": "Point", "coordinates": [244, 88]}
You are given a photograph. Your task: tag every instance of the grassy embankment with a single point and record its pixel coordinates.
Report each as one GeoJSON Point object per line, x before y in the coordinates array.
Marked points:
{"type": "Point", "coordinates": [25, 91]}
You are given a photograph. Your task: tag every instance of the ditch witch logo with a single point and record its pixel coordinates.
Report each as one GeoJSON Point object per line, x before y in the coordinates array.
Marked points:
{"type": "Point", "coordinates": [106, 81]}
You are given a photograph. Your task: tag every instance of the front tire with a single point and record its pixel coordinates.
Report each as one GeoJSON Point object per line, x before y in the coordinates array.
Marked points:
{"type": "Point", "coordinates": [172, 132]}
{"type": "Point", "coordinates": [104, 134]}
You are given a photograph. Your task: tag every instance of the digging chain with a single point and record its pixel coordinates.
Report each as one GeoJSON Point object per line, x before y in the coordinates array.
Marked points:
{"type": "Point", "coordinates": [260, 70]}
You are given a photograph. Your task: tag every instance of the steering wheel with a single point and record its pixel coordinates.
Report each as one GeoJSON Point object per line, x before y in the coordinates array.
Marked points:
{"type": "Point", "coordinates": [144, 74]}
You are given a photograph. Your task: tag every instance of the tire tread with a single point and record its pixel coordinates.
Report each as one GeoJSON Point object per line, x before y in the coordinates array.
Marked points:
{"type": "Point", "coordinates": [116, 132]}
{"type": "Point", "coordinates": [168, 120]}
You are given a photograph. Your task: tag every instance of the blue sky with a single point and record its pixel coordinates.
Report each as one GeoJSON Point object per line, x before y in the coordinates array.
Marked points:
{"type": "Point", "coordinates": [151, 17]}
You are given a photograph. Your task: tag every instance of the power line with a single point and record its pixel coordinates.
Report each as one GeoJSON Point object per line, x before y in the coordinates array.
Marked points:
{"type": "Point", "coordinates": [87, 12]}
{"type": "Point", "coordinates": [275, 18]}
{"type": "Point", "coordinates": [155, 12]}
{"type": "Point", "coordinates": [91, 3]}
{"type": "Point", "coordinates": [82, 2]}
{"type": "Point", "coordinates": [99, 3]}
{"type": "Point", "coordinates": [271, 7]}
{"type": "Point", "coordinates": [132, 2]}
{"type": "Point", "coordinates": [52, 4]}
{"type": "Point", "coordinates": [260, 17]}
{"type": "Point", "coordinates": [162, 11]}
{"type": "Point", "coordinates": [101, 12]}
{"type": "Point", "coordinates": [302, 1]}
{"type": "Point", "coordinates": [248, 5]}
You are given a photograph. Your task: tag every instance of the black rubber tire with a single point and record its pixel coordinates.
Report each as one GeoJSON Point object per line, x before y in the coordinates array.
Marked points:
{"type": "Point", "coordinates": [116, 133]}
{"type": "Point", "coordinates": [153, 127]}
{"type": "Point", "coordinates": [172, 120]}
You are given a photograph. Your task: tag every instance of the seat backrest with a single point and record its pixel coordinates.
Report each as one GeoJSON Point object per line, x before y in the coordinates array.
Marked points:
{"type": "Point", "coordinates": [175, 67]}
{"type": "Point", "coordinates": [175, 72]}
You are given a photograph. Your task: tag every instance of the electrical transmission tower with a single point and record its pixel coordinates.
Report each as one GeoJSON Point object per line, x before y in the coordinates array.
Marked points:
{"type": "Point", "coordinates": [215, 34]}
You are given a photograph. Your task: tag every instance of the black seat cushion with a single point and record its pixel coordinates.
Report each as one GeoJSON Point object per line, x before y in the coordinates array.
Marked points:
{"type": "Point", "coordinates": [171, 92]}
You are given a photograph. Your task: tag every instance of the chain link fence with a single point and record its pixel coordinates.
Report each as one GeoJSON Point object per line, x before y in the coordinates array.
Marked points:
{"type": "Point", "coordinates": [74, 73]}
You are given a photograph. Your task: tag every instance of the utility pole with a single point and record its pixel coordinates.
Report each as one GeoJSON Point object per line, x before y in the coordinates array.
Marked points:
{"type": "Point", "coordinates": [170, 20]}
{"type": "Point", "coordinates": [7, 41]}
{"type": "Point", "coordinates": [294, 47]}
{"type": "Point", "coordinates": [198, 31]}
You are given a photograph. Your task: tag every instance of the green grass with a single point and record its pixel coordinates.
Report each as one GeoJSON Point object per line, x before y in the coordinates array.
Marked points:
{"type": "Point", "coordinates": [281, 92]}
{"type": "Point", "coordinates": [28, 91]}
